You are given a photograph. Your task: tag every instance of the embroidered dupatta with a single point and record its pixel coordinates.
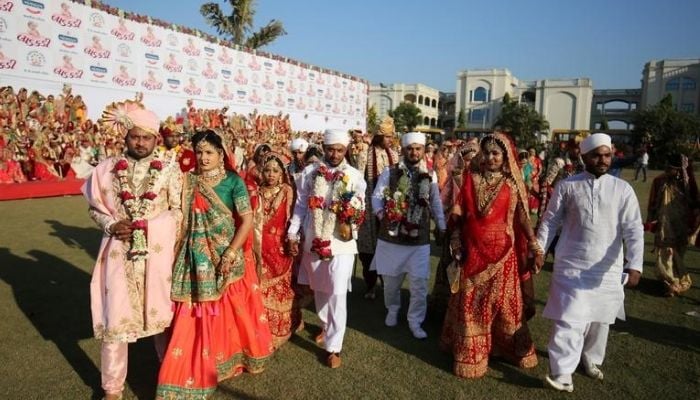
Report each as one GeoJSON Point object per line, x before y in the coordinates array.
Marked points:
{"type": "Point", "coordinates": [208, 229]}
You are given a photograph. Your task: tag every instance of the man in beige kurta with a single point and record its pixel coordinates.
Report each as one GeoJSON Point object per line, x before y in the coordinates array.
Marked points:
{"type": "Point", "coordinates": [135, 199]}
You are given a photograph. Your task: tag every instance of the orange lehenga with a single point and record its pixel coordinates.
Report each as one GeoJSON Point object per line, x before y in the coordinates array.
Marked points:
{"type": "Point", "coordinates": [272, 211]}
{"type": "Point", "coordinates": [486, 315]}
{"type": "Point", "coordinates": [219, 327]}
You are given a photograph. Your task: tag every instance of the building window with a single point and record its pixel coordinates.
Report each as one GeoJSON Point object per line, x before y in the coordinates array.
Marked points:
{"type": "Point", "coordinates": [480, 95]}
{"type": "Point", "coordinates": [420, 99]}
{"type": "Point", "coordinates": [688, 107]}
{"type": "Point", "coordinates": [478, 116]}
{"type": "Point", "coordinates": [688, 83]}
{"type": "Point", "coordinates": [673, 85]}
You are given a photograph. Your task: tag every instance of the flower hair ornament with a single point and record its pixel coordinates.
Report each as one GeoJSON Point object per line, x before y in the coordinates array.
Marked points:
{"type": "Point", "coordinates": [115, 118]}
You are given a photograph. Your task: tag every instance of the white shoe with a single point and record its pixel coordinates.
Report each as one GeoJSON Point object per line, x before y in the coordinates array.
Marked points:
{"type": "Point", "coordinates": [593, 371]}
{"type": "Point", "coordinates": [418, 332]}
{"type": "Point", "coordinates": [557, 385]}
{"type": "Point", "coordinates": [392, 318]}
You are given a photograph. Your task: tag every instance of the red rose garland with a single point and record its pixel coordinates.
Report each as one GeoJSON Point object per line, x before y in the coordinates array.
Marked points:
{"type": "Point", "coordinates": [137, 207]}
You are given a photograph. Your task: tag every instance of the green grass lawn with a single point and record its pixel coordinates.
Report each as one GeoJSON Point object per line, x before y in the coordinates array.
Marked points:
{"type": "Point", "coordinates": [47, 251]}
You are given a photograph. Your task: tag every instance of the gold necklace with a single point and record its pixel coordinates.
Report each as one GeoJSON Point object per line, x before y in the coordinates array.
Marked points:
{"type": "Point", "coordinates": [213, 176]}
{"type": "Point", "coordinates": [487, 191]}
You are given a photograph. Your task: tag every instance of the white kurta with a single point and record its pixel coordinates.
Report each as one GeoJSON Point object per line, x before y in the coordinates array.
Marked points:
{"type": "Point", "coordinates": [312, 270]}
{"type": "Point", "coordinates": [394, 259]}
{"type": "Point", "coordinates": [596, 216]}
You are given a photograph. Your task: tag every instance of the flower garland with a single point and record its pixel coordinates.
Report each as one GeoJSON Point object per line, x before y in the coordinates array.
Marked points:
{"type": "Point", "coordinates": [343, 205]}
{"type": "Point", "coordinates": [404, 208]}
{"type": "Point", "coordinates": [137, 207]}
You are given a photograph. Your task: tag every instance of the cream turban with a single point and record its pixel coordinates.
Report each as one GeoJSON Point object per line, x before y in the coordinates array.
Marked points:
{"type": "Point", "coordinates": [412, 138]}
{"type": "Point", "coordinates": [299, 144]}
{"type": "Point", "coordinates": [386, 127]}
{"type": "Point", "coordinates": [594, 141]}
{"type": "Point", "coordinates": [336, 136]}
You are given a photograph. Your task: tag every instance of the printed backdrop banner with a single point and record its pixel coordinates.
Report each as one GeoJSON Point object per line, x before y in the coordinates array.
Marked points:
{"type": "Point", "coordinates": [44, 44]}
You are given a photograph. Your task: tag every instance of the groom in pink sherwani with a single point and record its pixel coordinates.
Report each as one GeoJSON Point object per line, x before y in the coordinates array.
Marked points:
{"type": "Point", "coordinates": [135, 199]}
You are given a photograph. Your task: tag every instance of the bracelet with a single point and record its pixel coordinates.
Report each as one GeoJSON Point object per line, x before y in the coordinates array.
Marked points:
{"type": "Point", "coordinates": [227, 256]}
{"type": "Point", "coordinates": [534, 246]}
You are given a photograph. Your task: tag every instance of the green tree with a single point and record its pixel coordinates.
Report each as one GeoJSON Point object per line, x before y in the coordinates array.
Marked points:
{"type": "Point", "coordinates": [372, 120]}
{"type": "Point", "coordinates": [406, 116]}
{"type": "Point", "coordinates": [666, 129]}
{"type": "Point", "coordinates": [521, 121]}
{"type": "Point", "coordinates": [238, 26]}
{"type": "Point", "coordinates": [461, 121]}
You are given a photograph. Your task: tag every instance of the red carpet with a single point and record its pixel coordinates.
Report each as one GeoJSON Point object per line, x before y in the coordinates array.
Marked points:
{"type": "Point", "coordinates": [28, 190]}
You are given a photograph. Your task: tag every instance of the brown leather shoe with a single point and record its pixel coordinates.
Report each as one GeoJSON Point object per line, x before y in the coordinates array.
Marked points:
{"type": "Point", "coordinates": [333, 360]}
{"type": "Point", "coordinates": [320, 338]}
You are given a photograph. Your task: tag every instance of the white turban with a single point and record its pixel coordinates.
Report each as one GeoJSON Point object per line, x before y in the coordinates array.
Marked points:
{"type": "Point", "coordinates": [594, 141]}
{"type": "Point", "coordinates": [410, 138]}
{"type": "Point", "coordinates": [299, 144]}
{"type": "Point", "coordinates": [336, 136]}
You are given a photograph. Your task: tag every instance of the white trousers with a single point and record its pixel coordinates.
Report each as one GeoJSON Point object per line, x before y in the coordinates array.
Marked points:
{"type": "Point", "coordinates": [114, 359]}
{"type": "Point", "coordinates": [574, 342]}
{"type": "Point", "coordinates": [333, 313]}
{"type": "Point", "coordinates": [418, 304]}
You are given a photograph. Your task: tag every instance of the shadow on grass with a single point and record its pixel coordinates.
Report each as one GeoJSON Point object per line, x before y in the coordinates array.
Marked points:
{"type": "Point", "coordinates": [237, 394]}
{"type": "Point", "coordinates": [680, 337]}
{"type": "Point", "coordinates": [54, 295]}
{"type": "Point", "coordinates": [86, 239]}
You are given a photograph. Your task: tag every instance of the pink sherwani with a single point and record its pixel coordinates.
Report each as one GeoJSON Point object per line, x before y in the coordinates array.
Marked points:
{"type": "Point", "coordinates": [131, 299]}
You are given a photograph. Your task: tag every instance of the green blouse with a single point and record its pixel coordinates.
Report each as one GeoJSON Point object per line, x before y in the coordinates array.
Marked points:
{"type": "Point", "coordinates": [233, 193]}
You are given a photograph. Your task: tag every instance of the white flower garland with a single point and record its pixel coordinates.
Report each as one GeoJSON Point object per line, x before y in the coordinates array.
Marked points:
{"type": "Point", "coordinates": [137, 207]}
{"type": "Point", "coordinates": [416, 207]}
{"type": "Point", "coordinates": [324, 219]}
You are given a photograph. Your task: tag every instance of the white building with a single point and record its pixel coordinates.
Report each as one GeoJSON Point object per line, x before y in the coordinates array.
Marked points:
{"type": "Point", "coordinates": [678, 77]}
{"type": "Point", "coordinates": [388, 97]}
{"type": "Point", "coordinates": [564, 103]}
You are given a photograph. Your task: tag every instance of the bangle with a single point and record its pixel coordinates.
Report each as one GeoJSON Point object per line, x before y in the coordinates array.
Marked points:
{"type": "Point", "coordinates": [534, 246]}
{"type": "Point", "coordinates": [232, 258]}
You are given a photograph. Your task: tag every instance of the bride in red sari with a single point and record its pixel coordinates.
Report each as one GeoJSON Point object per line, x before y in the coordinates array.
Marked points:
{"type": "Point", "coordinates": [485, 317]}
{"type": "Point", "coordinates": [219, 327]}
{"type": "Point", "coordinates": [274, 209]}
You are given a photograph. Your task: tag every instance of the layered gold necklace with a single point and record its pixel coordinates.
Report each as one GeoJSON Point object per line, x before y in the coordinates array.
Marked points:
{"type": "Point", "coordinates": [488, 188]}
{"type": "Point", "coordinates": [213, 177]}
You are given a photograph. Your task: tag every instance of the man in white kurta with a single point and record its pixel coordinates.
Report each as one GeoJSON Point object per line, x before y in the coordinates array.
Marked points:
{"type": "Point", "coordinates": [598, 214]}
{"type": "Point", "coordinates": [329, 278]}
{"type": "Point", "coordinates": [403, 248]}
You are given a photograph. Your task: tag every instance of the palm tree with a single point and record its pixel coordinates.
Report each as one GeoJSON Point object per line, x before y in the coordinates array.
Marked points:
{"type": "Point", "coordinates": [238, 27]}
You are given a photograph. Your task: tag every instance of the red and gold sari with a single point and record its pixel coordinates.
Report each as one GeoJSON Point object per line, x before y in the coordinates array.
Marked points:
{"type": "Point", "coordinates": [274, 267]}
{"type": "Point", "coordinates": [486, 316]}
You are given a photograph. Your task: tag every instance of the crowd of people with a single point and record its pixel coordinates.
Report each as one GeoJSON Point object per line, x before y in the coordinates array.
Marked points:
{"type": "Point", "coordinates": [218, 229]}
{"type": "Point", "coordinates": [49, 138]}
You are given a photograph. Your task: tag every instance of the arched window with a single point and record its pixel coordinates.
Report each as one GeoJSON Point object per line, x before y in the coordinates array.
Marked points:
{"type": "Point", "coordinates": [420, 99]}
{"type": "Point", "coordinates": [480, 94]}
{"type": "Point", "coordinates": [433, 121]}
{"type": "Point", "coordinates": [426, 121]}
{"type": "Point", "coordinates": [673, 84]}
{"type": "Point", "coordinates": [427, 101]}
{"type": "Point", "coordinates": [433, 104]}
